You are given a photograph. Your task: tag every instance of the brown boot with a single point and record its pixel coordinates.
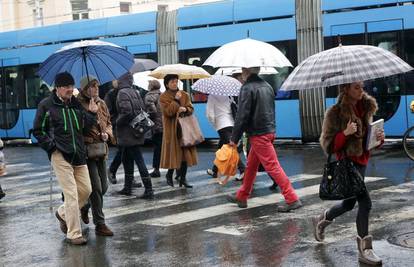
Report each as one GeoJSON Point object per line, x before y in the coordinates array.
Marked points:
{"type": "Point", "coordinates": [78, 241]}
{"type": "Point", "coordinates": [103, 230]}
{"type": "Point", "coordinates": [365, 252]}
{"type": "Point", "coordinates": [319, 224]}
{"type": "Point", "coordinates": [63, 226]}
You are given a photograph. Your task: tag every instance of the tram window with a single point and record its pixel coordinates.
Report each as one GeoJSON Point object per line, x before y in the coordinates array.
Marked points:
{"type": "Point", "coordinates": [409, 50]}
{"type": "Point", "coordinates": [349, 39]}
{"type": "Point", "coordinates": [36, 90]}
{"type": "Point", "coordinates": [11, 97]}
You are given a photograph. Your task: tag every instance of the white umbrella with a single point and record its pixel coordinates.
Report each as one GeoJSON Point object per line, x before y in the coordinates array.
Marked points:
{"type": "Point", "coordinates": [344, 64]}
{"type": "Point", "coordinates": [218, 85]}
{"type": "Point", "coordinates": [231, 71]}
{"type": "Point", "coordinates": [247, 53]}
{"type": "Point", "coordinates": [183, 71]}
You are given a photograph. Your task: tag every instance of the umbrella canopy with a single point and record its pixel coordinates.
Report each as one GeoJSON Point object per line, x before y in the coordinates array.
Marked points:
{"type": "Point", "coordinates": [218, 85]}
{"type": "Point", "coordinates": [183, 71]}
{"type": "Point", "coordinates": [230, 71]}
{"type": "Point", "coordinates": [104, 60]}
{"type": "Point", "coordinates": [247, 53]}
{"type": "Point", "coordinates": [142, 79]}
{"type": "Point", "coordinates": [344, 64]}
{"type": "Point", "coordinates": [142, 64]}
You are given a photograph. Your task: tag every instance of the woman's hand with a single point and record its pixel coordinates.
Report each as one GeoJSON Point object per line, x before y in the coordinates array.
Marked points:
{"type": "Point", "coordinates": [182, 110]}
{"type": "Point", "coordinates": [380, 135]}
{"type": "Point", "coordinates": [178, 95]}
{"type": "Point", "coordinates": [351, 128]}
{"type": "Point", "coordinates": [93, 107]}
{"type": "Point", "coordinates": [104, 137]}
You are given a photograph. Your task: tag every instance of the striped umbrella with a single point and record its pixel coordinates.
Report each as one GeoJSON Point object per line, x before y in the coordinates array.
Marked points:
{"type": "Point", "coordinates": [344, 64]}
{"type": "Point", "coordinates": [218, 85]}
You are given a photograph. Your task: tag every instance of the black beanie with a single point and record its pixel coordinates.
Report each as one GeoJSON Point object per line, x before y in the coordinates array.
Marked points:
{"type": "Point", "coordinates": [168, 78]}
{"type": "Point", "coordinates": [64, 79]}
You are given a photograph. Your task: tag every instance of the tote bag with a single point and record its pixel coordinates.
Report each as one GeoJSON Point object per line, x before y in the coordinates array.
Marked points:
{"type": "Point", "coordinates": [190, 131]}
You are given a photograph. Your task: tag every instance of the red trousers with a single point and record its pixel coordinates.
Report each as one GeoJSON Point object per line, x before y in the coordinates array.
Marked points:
{"type": "Point", "coordinates": [262, 151]}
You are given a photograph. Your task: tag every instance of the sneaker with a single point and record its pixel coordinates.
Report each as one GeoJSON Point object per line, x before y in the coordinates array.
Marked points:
{"type": "Point", "coordinates": [63, 226]}
{"type": "Point", "coordinates": [211, 173]}
{"type": "Point", "coordinates": [288, 207]}
{"type": "Point", "coordinates": [77, 241]}
{"type": "Point", "coordinates": [103, 230]}
{"type": "Point", "coordinates": [240, 203]}
{"type": "Point", "coordinates": [155, 174]}
{"type": "Point", "coordinates": [273, 187]}
{"type": "Point", "coordinates": [111, 177]}
{"type": "Point", "coordinates": [85, 215]}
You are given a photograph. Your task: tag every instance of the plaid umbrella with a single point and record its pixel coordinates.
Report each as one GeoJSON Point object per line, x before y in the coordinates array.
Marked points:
{"type": "Point", "coordinates": [344, 64]}
{"type": "Point", "coordinates": [218, 85]}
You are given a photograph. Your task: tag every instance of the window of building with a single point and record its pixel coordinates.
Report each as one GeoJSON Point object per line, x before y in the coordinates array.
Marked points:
{"type": "Point", "coordinates": [125, 7]}
{"type": "Point", "coordinates": [35, 21]}
{"type": "Point", "coordinates": [79, 9]}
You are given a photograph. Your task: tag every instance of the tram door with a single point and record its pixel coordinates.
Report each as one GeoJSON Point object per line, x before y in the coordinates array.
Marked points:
{"type": "Point", "coordinates": [389, 92]}
{"type": "Point", "coordinates": [10, 82]}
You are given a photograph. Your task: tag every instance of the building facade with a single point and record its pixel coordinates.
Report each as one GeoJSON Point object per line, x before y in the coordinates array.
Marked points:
{"type": "Point", "coordinates": [21, 14]}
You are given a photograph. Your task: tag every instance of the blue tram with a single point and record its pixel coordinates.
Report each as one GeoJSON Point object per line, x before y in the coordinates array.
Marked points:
{"type": "Point", "coordinates": [203, 28]}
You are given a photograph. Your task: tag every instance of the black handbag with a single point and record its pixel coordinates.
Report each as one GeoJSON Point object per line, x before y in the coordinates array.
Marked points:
{"type": "Point", "coordinates": [97, 150]}
{"type": "Point", "coordinates": [142, 122]}
{"type": "Point", "coordinates": [341, 180]}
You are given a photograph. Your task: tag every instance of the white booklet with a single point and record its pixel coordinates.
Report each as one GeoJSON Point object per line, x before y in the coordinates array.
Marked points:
{"type": "Point", "coordinates": [373, 128]}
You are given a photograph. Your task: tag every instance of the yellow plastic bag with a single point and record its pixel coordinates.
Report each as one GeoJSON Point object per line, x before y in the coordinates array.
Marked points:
{"type": "Point", "coordinates": [226, 160]}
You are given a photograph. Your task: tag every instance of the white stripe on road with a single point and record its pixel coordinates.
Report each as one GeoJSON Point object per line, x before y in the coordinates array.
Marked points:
{"type": "Point", "coordinates": [204, 213]}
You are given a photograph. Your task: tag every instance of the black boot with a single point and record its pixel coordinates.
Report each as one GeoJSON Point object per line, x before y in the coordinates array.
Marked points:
{"type": "Point", "coordinates": [183, 174]}
{"type": "Point", "coordinates": [148, 193]}
{"type": "Point", "coordinates": [2, 194]}
{"type": "Point", "coordinates": [178, 174]}
{"type": "Point", "coordinates": [127, 190]}
{"type": "Point", "coordinates": [169, 176]}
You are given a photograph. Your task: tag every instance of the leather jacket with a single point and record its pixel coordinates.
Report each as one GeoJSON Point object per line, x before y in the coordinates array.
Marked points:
{"type": "Point", "coordinates": [256, 109]}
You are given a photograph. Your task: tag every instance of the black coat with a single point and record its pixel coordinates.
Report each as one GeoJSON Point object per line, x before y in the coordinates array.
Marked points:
{"type": "Point", "coordinates": [256, 109]}
{"type": "Point", "coordinates": [61, 126]}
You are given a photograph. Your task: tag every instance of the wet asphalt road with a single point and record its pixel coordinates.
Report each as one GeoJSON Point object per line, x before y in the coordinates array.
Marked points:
{"type": "Point", "coordinates": [197, 227]}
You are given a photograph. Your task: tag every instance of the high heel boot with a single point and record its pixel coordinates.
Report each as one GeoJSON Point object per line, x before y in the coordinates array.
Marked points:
{"type": "Point", "coordinates": [183, 174]}
{"type": "Point", "coordinates": [169, 176]}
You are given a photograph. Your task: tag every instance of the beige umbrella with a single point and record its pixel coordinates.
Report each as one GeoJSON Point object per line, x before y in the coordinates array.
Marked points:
{"type": "Point", "coordinates": [184, 72]}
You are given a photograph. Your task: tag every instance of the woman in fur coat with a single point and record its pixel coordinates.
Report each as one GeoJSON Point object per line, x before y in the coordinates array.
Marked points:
{"type": "Point", "coordinates": [344, 132]}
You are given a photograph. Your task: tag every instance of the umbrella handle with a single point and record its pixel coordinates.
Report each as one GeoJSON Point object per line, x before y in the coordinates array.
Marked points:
{"type": "Point", "coordinates": [86, 66]}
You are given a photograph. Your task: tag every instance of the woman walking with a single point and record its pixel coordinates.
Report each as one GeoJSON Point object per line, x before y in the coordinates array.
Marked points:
{"type": "Point", "coordinates": [95, 140]}
{"type": "Point", "coordinates": [344, 132]}
{"type": "Point", "coordinates": [173, 156]}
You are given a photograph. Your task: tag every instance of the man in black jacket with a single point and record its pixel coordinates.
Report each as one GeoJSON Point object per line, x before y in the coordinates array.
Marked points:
{"type": "Point", "coordinates": [58, 126]}
{"type": "Point", "coordinates": [256, 117]}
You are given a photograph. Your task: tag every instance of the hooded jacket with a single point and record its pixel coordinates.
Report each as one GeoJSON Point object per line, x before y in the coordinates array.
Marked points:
{"type": "Point", "coordinates": [60, 126]}
{"type": "Point", "coordinates": [129, 104]}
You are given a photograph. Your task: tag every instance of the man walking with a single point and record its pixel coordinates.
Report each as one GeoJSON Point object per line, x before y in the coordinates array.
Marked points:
{"type": "Point", "coordinates": [59, 126]}
{"type": "Point", "coordinates": [256, 116]}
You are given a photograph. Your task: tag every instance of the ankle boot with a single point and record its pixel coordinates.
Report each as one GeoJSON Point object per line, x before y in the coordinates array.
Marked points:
{"type": "Point", "coordinates": [183, 174]}
{"type": "Point", "coordinates": [366, 253]}
{"type": "Point", "coordinates": [127, 190]}
{"type": "Point", "coordinates": [169, 176]}
{"type": "Point", "coordinates": [148, 193]}
{"type": "Point", "coordinates": [319, 224]}
{"type": "Point", "coordinates": [183, 181]}
{"type": "Point", "coordinates": [2, 194]}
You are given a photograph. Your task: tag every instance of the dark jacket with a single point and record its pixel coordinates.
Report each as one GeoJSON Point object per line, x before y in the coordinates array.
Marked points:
{"type": "Point", "coordinates": [110, 101]}
{"type": "Point", "coordinates": [62, 126]}
{"type": "Point", "coordinates": [152, 103]}
{"type": "Point", "coordinates": [128, 104]}
{"type": "Point", "coordinates": [256, 109]}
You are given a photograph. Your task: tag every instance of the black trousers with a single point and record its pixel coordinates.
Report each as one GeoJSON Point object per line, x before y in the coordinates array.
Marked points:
{"type": "Point", "coordinates": [364, 207]}
{"type": "Point", "coordinates": [157, 142]}
{"type": "Point", "coordinates": [116, 162]}
{"type": "Point", "coordinates": [129, 155]}
{"type": "Point", "coordinates": [225, 135]}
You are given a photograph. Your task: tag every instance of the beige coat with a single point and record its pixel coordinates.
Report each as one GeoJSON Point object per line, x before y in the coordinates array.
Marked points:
{"type": "Point", "coordinates": [172, 154]}
{"type": "Point", "coordinates": [337, 118]}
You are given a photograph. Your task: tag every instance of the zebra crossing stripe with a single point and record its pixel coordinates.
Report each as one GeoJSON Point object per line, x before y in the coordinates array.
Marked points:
{"type": "Point", "coordinates": [204, 213]}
